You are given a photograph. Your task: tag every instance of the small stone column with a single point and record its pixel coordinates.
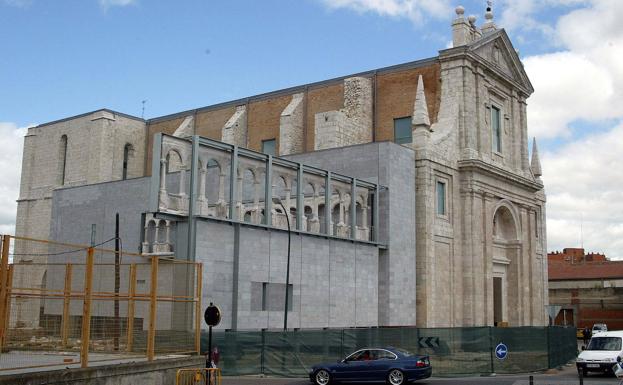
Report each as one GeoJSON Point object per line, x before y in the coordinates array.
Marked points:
{"type": "Point", "coordinates": [314, 222]}
{"type": "Point", "coordinates": [239, 205]}
{"type": "Point", "coordinates": [145, 244]}
{"type": "Point", "coordinates": [255, 215]}
{"type": "Point", "coordinates": [162, 194]}
{"type": "Point", "coordinates": [202, 199]}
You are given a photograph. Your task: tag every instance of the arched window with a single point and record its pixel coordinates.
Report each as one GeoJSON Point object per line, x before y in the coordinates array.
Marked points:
{"type": "Point", "coordinates": [127, 152]}
{"type": "Point", "coordinates": [62, 159]}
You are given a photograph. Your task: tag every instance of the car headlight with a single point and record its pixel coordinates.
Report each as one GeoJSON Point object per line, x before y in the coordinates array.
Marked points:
{"type": "Point", "coordinates": [579, 359]}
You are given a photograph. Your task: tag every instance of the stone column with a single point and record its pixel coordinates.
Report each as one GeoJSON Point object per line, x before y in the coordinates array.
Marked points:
{"type": "Point", "coordinates": [486, 258]}
{"type": "Point", "coordinates": [221, 206]}
{"type": "Point", "coordinates": [364, 213]}
{"type": "Point", "coordinates": [341, 220]}
{"type": "Point", "coordinates": [255, 216]}
{"type": "Point", "coordinates": [239, 203]}
{"type": "Point", "coordinates": [286, 203]}
{"type": "Point", "coordinates": [154, 246]}
{"type": "Point", "coordinates": [182, 190]}
{"type": "Point", "coordinates": [525, 164]}
{"type": "Point", "coordinates": [314, 222]}
{"type": "Point", "coordinates": [202, 199]}
{"type": "Point", "coordinates": [167, 236]}
{"type": "Point", "coordinates": [145, 244]}
{"type": "Point", "coordinates": [162, 195]}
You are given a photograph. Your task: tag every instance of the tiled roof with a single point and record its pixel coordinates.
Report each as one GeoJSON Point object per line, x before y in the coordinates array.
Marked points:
{"type": "Point", "coordinates": [559, 271]}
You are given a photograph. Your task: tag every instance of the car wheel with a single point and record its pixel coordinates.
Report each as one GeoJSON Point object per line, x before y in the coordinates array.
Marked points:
{"type": "Point", "coordinates": [396, 377]}
{"type": "Point", "coordinates": [322, 377]}
{"type": "Point", "coordinates": [582, 372]}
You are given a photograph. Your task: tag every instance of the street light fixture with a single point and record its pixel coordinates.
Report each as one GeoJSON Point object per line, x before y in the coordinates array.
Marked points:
{"type": "Point", "coordinates": [277, 201]}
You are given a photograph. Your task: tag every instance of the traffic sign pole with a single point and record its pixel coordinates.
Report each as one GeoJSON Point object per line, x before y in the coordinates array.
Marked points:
{"type": "Point", "coordinates": [209, 359]}
{"type": "Point", "coordinates": [212, 316]}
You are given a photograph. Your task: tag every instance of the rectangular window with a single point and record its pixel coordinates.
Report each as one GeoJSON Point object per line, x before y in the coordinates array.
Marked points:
{"type": "Point", "coordinates": [441, 198]}
{"type": "Point", "coordinates": [496, 127]}
{"type": "Point", "coordinates": [402, 130]}
{"type": "Point", "coordinates": [268, 146]}
{"type": "Point", "coordinates": [290, 298]}
{"type": "Point", "coordinates": [264, 296]}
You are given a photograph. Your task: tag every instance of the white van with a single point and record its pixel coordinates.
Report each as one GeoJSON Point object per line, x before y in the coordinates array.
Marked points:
{"type": "Point", "coordinates": [598, 328]}
{"type": "Point", "coordinates": [601, 353]}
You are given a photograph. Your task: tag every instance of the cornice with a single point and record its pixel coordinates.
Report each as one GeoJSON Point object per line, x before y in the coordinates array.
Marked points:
{"type": "Point", "coordinates": [478, 165]}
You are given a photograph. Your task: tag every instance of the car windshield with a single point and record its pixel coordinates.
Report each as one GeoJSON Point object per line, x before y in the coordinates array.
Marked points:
{"type": "Point", "coordinates": [605, 343]}
{"type": "Point", "coordinates": [599, 327]}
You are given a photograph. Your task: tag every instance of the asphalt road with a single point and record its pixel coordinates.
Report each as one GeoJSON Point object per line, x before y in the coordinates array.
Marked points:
{"type": "Point", "coordinates": [567, 376]}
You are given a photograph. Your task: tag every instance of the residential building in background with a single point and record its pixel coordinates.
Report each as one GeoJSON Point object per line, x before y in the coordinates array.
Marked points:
{"type": "Point", "coordinates": [585, 289]}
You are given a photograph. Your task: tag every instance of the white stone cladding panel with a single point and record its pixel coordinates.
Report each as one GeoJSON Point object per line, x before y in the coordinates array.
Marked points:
{"type": "Point", "coordinates": [218, 268]}
{"type": "Point", "coordinates": [291, 126]}
{"type": "Point", "coordinates": [334, 282]}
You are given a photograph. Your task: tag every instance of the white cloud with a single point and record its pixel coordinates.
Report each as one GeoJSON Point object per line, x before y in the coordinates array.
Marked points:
{"type": "Point", "coordinates": [414, 10]}
{"type": "Point", "coordinates": [584, 181]}
{"type": "Point", "coordinates": [11, 142]}
{"type": "Point", "coordinates": [116, 3]}
{"type": "Point", "coordinates": [583, 81]}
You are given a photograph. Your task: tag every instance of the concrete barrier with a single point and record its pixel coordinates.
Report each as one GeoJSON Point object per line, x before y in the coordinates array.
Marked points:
{"type": "Point", "coordinates": [157, 372]}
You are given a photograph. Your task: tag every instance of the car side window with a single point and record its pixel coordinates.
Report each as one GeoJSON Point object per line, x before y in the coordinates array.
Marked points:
{"type": "Point", "coordinates": [385, 355]}
{"type": "Point", "coordinates": [357, 356]}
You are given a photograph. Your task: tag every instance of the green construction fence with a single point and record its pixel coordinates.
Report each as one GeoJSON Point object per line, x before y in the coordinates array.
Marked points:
{"type": "Point", "coordinates": [452, 351]}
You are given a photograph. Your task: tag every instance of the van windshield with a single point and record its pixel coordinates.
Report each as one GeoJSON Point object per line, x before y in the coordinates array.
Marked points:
{"type": "Point", "coordinates": [605, 343]}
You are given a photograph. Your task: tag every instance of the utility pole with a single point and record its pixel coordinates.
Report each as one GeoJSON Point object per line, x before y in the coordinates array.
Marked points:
{"type": "Point", "coordinates": [117, 327]}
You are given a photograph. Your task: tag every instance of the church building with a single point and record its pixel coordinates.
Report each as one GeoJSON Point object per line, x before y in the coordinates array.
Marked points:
{"type": "Point", "coordinates": [399, 196]}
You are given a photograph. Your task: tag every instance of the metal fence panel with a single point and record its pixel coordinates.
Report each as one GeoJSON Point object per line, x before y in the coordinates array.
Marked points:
{"type": "Point", "coordinates": [66, 304]}
{"type": "Point", "coordinates": [452, 351]}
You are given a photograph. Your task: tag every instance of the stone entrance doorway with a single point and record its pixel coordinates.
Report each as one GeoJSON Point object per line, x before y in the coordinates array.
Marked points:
{"type": "Point", "coordinates": [505, 259]}
{"type": "Point", "coordinates": [498, 297]}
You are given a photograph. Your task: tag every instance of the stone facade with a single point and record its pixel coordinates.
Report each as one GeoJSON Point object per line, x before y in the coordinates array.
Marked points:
{"type": "Point", "coordinates": [235, 130]}
{"type": "Point", "coordinates": [464, 196]}
{"type": "Point", "coordinates": [350, 125]}
{"type": "Point", "coordinates": [491, 228]}
{"type": "Point", "coordinates": [291, 126]}
{"type": "Point", "coordinates": [91, 148]}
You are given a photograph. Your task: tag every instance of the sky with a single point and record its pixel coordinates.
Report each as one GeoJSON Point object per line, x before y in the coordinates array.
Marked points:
{"type": "Point", "coordinates": [66, 57]}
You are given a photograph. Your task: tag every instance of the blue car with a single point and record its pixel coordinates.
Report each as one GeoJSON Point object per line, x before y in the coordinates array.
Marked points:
{"type": "Point", "coordinates": [385, 365]}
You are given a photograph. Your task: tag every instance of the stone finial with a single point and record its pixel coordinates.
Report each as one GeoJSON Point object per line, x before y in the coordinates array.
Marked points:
{"type": "Point", "coordinates": [475, 31]}
{"type": "Point", "coordinates": [460, 29]}
{"type": "Point", "coordinates": [535, 163]}
{"type": "Point", "coordinates": [420, 108]}
{"type": "Point", "coordinates": [185, 129]}
{"type": "Point", "coordinates": [489, 26]}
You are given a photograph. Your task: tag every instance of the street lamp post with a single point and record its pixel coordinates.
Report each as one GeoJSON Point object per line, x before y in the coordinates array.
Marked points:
{"type": "Point", "coordinates": [285, 310]}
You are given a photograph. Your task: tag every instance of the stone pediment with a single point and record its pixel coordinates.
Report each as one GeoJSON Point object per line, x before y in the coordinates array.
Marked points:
{"type": "Point", "coordinates": [497, 50]}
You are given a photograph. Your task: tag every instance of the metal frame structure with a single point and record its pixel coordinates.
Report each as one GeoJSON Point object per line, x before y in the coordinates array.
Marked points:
{"type": "Point", "coordinates": [81, 268]}
{"type": "Point", "coordinates": [235, 153]}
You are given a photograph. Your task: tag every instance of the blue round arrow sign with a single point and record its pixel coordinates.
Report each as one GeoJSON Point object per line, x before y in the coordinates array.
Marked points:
{"type": "Point", "coordinates": [501, 351]}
